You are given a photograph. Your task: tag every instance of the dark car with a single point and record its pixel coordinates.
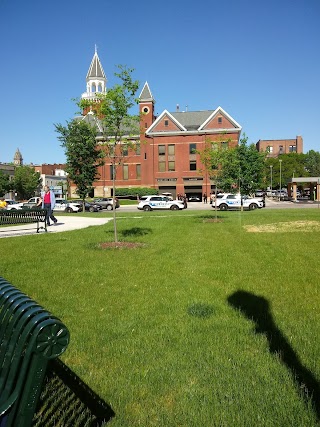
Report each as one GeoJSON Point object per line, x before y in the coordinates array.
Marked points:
{"type": "Point", "coordinates": [107, 203]}
{"type": "Point", "coordinates": [90, 206]}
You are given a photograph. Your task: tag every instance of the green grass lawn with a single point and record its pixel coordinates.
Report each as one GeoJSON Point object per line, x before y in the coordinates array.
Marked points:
{"type": "Point", "coordinates": [208, 324]}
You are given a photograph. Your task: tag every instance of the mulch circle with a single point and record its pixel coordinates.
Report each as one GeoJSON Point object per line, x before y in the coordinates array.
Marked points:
{"type": "Point", "coordinates": [121, 245]}
{"type": "Point", "coordinates": [213, 220]}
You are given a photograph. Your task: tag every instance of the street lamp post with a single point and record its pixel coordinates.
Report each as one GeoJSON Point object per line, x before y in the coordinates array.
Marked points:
{"type": "Point", "coordinates": [280, 161]}
{"type": "Point", "coordinates": [271, 166]}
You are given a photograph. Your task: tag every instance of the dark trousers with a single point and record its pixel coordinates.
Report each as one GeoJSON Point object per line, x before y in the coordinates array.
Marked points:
{"type": "Point", "coordinates": [47, 206]}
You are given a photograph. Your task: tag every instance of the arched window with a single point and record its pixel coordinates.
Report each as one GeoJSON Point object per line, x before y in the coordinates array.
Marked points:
{"type": "Point", "coordinates": [93, 87]}
{"type": "Point", "coordinates": [99, 87]}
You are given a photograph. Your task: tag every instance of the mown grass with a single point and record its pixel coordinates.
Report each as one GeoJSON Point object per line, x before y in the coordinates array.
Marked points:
{"type": "Point", "coordinates": [207, 324]}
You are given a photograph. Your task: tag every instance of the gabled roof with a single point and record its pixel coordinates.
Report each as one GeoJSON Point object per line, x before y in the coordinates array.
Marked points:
{"type": "Point", "coordinates": [95, 69]}
{"type": "Point", "coordinates": [146, 94]}
{"type": "Point", "coordinates": [195, 122]}
{"type": "Point", "coordinates": [91, 119]}
{"type": "Point", "coordinates": [221, 111]}
{"type": "Point", "coordinates": [191, 120]}
{"type": "Point", "coordinates": [165, 113]}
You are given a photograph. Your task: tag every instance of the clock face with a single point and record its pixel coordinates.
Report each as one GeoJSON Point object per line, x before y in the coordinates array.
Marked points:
{"type": "Point", "coordinates": [145, 110]}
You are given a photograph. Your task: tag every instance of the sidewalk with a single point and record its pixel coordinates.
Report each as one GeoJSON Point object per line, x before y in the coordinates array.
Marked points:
{"type": "Point", "coordinates": [65, 223]}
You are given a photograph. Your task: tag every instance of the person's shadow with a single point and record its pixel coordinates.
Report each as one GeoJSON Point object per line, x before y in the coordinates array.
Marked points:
{"type": "Point", "coordinates": [257, 309]}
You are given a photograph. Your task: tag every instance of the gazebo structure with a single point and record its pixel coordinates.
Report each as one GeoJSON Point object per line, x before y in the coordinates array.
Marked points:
{"type": "Point", "coordinates": [314, 187]}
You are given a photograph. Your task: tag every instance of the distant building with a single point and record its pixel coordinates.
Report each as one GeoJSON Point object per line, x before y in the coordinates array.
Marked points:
{"type": "Point", "coordinates": [55, 177]}
{"type": "Point", "coordinates": [275, 147]}
{"type": "Point", "coordinates": [166, 156]}
{"type": "Point", "coordinates": [17, 159]}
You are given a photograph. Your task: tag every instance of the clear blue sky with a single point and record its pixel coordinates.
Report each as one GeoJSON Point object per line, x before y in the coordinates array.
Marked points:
{"type": "Point", "coordinates": [259, 60]}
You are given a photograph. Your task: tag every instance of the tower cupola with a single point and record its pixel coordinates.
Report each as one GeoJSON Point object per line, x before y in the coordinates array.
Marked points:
{"type": "Point", "coordinates": [96, 79]}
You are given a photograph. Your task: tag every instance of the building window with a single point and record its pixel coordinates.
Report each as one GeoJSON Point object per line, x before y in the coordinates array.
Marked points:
{"type": "Point", "coordinates": [124, 150]}
{"type": "Point", "coordinates": [219, 120]}
{"type": "Point", "coordinates": [171, 166]}
{"type": "Point", "coordinates": [111, 172]}
{"type": "Point", "coordinates": [292, 149]}
{"type": "Point", "coordinates": [125, 172]}
{"type": "Point", "coordinates": [224, 145]}
{"type": "Point", "coordinates": [145, 156]}
{"type": "Point", "coordinates": [269, 149]}
{"type": "Point", "coordinates": [166, 122]}
{"type": "Point", "coordinates": [280, 149]}
{"type": "Point", "coordinates": [171, 148]}
{"type": "Point", "coordinates": [193, 165]}
{"type": "Point", "coordinates": [161, 150]}
{"type": "Point", "coordinates": [146, 125]}
{"type": "Point", "coordinates": [138, 171]}
{"type": "Point", "coordinates": [192, 148]}
{"type": "Point", "coordinates": [138, 149]}
{"type": "Point", "coordinates": [162, 166]}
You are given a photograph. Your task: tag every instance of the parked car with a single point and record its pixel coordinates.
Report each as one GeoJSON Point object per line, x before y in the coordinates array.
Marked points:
{"type": "Point", "coordinates": [230, 201]}
{"type": "Point", "coordinates": [194, 199]}
{"type": "Point", "coordinates": [31, 203]}
{"type": "Point", "coordinates": [12, 205]}
{"type": "Point", "coordinates": [148, 203]}
{"type": "Point", "coordinates": [90, 206]}
{"type": "Point", "coordinates": [63, 205]}
{"type": "Point", "coordinates": [107, 203]}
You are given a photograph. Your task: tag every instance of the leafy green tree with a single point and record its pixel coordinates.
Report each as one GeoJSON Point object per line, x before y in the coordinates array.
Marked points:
{"type": "Point", "coordinates": [242, 168]}
{"type": "Point", "coordinates": [313, 163]}
{"type": "Point", "coordinates": [211, 157]}
{"type": "Point", "coordinates": [83, 154]}
{"type": "Point", "coordinates": [118, 124]}
{"type": "Point", "coordinates": [5, 184]}
{"type": "Point", "coordinates": [292, 165]}
{"type": "Point", "coordinates": [26, 182]}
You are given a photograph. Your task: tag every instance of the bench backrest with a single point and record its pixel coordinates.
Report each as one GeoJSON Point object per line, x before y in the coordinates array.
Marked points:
{"type": "Point", "coordinates": [22, 215]}
{"type": "Point", "coordinates": [30, 336]}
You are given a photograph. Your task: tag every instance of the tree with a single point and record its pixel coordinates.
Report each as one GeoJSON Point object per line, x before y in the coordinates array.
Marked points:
{"type": "Point", "coordinates": [293, 164]}
{"type": "Point", "coordinates": [118, 124]}
{"type": "Point", "coordinates": [5, 184]}
{"type": "Point", "coordinates": [313, 163]}
{"type": "Point", "coordinates": [242, 168]}
{"type": "Point", "coordinates": [26, 182]}
{"type": "Point", "coordinates": [211, 158]}
{"type": "Point", "coordinates": [251, 163]}
{"type": "Point", "coordinates": [83, 154]}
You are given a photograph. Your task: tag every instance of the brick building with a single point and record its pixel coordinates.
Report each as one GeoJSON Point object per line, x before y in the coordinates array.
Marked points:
{"type": "Point", "coordinates": [275, 147]}
{"type": "Point", "coordinates": [165, 157]}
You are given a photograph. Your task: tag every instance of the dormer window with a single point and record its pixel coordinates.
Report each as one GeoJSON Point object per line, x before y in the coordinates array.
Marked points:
{"type": "Point", "coordinates": [219, 120]}
{"type": "Point", "coordinates": [166, 123]}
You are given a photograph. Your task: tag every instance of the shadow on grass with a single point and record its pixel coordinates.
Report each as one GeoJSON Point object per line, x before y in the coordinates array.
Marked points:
{"type": "Point", "coordinates": [257, 309]}
{"type": "Point", "coordinates": [135, 231]}
{"type": "Point", "coordinates": [67, 401]}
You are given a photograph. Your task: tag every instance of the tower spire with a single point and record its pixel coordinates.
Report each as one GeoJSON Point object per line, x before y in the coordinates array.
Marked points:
{"type": "Point", "coordinates": [96, 78]}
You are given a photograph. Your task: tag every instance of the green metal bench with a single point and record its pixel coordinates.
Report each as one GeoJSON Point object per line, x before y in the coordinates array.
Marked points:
{"type": "Point", "coordinates": [24, 216]}
{"type": "Point", "coordinates": [30, 337]}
